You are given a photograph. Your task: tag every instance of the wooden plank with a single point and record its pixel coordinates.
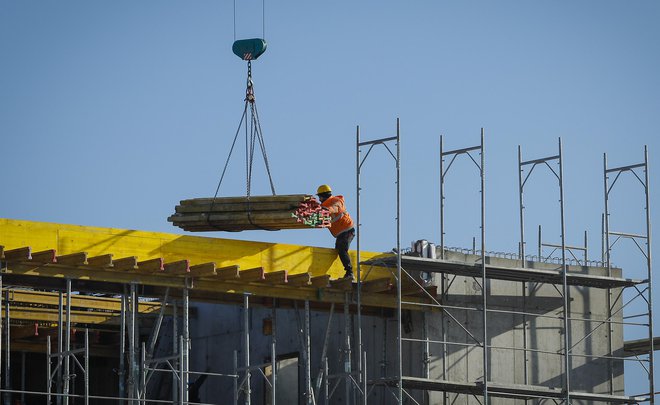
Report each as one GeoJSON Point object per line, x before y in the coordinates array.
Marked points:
{"type": "Point", "coordinates": [125, 263]}
{"type": "Point", "coordinates": [344, 284]}
{"type": "Point", "coordinates": [276, 277]}
{"type": "Point", "coordinates": [238, 207]}
{"type": "Point", "coordinates": [254, 198]}
{"type": "Point", "coordinates": [100, 261]}
{"type": "Point", "coordinates": [19, 254]}
{"type": "Point", "coordinates": [377, 285]}
{"type": "Point", "coordinates": [73, 259]}
{"type": "Point", "coordinates": [203, 270]}
{"type": "Point", "coordinates": [228, 273]}
{"type": "Point", "coordinates": [321, 281]}
{"type": "Point", "coordinates": [178, 267]}
{"type": "Point", "coordinates": [302, 279]}
{"type": "Point", "coordinates": [418, 292]}
{"type": "Point", "coordinates": [255, 274]}
{"type": "Point", "coordinates": [45, 256]}
{"type": "Point", "coordinates": [25, 331]}
{"type": "Point", "coordinates": [152, 265]}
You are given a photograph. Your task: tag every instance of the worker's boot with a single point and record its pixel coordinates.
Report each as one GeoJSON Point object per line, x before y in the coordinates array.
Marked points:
{"type": "Point", "coordinates": [349, 274]}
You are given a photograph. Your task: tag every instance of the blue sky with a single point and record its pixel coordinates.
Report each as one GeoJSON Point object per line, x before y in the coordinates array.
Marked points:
{"type": "Point", "coordinates": [112, 112]}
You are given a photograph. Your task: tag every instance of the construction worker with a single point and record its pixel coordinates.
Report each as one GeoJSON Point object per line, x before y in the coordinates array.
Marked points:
{"type": "Point", "coordinates": [341, 225]}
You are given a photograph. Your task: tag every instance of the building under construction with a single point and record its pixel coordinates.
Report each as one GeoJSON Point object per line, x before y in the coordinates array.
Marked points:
{"type": "Point", "coordinates": [101, 315]}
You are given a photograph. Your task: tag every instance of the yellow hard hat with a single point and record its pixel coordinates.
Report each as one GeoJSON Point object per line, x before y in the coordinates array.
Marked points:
{"type": "Point", "coordinates": [323, 189]}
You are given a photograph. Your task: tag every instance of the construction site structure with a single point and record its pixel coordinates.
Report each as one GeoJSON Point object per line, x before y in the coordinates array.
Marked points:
{"type": "Point", "coordinates": [101, 315]}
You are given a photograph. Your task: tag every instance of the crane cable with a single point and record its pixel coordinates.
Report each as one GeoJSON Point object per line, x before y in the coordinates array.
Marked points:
{"type": "Point", "coordinates": [263, 19]}
{"type": "Point", "coordinates": [253, 135]}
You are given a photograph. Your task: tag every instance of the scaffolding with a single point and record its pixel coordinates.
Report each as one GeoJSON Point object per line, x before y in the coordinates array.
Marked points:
{"type": "Point", "coordinates": [125, 283]}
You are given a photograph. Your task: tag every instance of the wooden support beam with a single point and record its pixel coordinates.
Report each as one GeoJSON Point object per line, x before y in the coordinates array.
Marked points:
{"type": "Point", "coordinates": [87, 302]}
{"type": "Point", "coordinates": [100, 261]}
{"type": "Point", "coordinates": [152, 265]}
{"type": "Point", "coordinates": [125, 263]}
{"type": "Point", "coordinates": [377, 285]}
{"type": "Point", "coordinates": [25, 331]}
{"type": "Point", "coordinates": [321, 281]}
{"type": "Point", "coordinates": [228, 273]}
{"type": "Point", "coordinates": [73, 259]}
{"type": "Point", "coordinates": [203, 270]}
{"type": "Point", "coordinates": [45, 256]}
{"type": "Point", "coordinates": [344, 284]}
{"type": "Point", "coordinates": [276, 277]}
{"type": "Point", "coordinates": [255, 274]}
{"type": "Point", "coordinates": [302, 279]}
{"type": "Point", "coordinates": [179, 267]}
{"type": "Point", "coordinates": [419, 292]}
{"type": "Point", "coordinates": [19, 254]}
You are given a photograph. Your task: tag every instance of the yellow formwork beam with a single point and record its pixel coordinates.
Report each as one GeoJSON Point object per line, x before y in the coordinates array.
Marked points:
{"type": "Point", "coordinates": [67, 239]}
{"type": "Point", "coordinates": [89, 302]}
{"type": "Point", "coordinates": [51, 315]}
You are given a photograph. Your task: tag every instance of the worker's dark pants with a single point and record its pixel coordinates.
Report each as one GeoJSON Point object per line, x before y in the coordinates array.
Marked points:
{"type": "Point", "coordinates": [341, 245]}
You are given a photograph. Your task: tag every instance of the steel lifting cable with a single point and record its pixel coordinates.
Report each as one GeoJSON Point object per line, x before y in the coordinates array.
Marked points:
{"type": "Point", "coordinates": [252, 135]}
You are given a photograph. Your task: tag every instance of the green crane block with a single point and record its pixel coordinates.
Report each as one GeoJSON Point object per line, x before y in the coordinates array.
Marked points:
{"type": "Point", "coordinates": [249, 49]}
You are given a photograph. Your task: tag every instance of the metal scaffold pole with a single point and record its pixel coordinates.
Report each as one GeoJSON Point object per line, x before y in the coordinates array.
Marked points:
{"type": "Point", "coordinates": [359, 270]}
{"type": "Point", "coordinates": [480, 165]}
{"type": "Point", "coordinates": [359, 162]}
{"type": "Point", "coordinates": [7, 337]}
{"type": "Point", "coordinates": [649, 275]}
{"type": "Point", "coordinates": [309, 396]}
{"type": "Point", "coordinates": [67, 363]}
{"type": "Point", "coordinates": [246, 347]}
{"type": "Point", "coordinates": [565, 291]}
{"type": "Point", "coordinates": [399, 347]}
{"type": "Point", "coordinates": [273, 355]}
{"type": "Point", "coordinates": [122, 348]}
{"type": "Point", "coordinates": [484, 292]}
{"type": "Point", "coordinates": [644, 180]}
{"type": "Point", "coordinates": [185, 349]}
{"type": "Point", "coordinates": [60, 346]}
{"type": "Point", "coordinates": [522, 181]}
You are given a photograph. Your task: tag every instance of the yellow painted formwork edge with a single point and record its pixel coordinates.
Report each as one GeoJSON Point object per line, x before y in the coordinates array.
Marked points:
{"type": "Point", "coordinates": [147, 245]}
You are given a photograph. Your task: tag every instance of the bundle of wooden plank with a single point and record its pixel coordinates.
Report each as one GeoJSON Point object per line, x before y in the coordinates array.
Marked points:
{"type": "Point", "coordinates": [273, 212]}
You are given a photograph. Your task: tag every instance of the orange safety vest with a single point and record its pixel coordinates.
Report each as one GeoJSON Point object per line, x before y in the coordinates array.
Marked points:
{"type": "Point", "coordinates": [340, 221]}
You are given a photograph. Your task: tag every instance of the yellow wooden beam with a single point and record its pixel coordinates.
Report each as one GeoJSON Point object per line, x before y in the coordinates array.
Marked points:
{"type": "Point", "coordinates": [79, 301]}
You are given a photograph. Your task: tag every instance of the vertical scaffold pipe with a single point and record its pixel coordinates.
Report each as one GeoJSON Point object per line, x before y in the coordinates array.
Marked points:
{"type": "Point", "coordinates": [308, 354]}
{"type": "Point", "coordinates": [7, 395]}
{"type": "Point", "coordinates": [86, 363]}
{"type": "Point", "coordinates": [442, 202]}
{"type": "Point", "coordinates": [273, 354]}
{"type": "Point", "coordinates": [49, 378]}
{"type": "Point", "coordinates": [347, 351]}
{"type": "Point", "coordinates": [359, 270]}
{"type": "Point", "coordinates": [67, 363]}
{"type": "Point", "coordinates": [175, 349]}
{"type": "Point", "coordinates": [565, 291]}
{"type": "Point", "coordinates": [122, 348]}
{"type": "Point", "coordinates": [484, 291]}
{"type": "Point", "coordinates": [246, 342]}
{"type": "Point", "coordinates": [398, 264]}
{"type": "Point", "coordinates": [649, 275]}
{"type": "Point", "coordinates": [521, 248]}
{"type": "Point", "coordinates": [605, 247]}
{"type": "Point", "coordinates": [186, 343]}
